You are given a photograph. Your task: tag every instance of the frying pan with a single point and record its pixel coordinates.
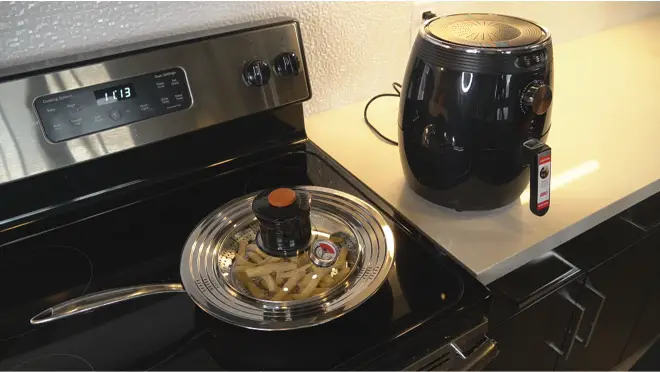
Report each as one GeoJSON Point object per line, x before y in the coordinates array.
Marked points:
{"type": "Point", "coordinates": [209, 252]}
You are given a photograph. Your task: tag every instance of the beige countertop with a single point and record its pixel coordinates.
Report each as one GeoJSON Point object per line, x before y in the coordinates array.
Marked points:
{"type": "Point", "coordinates": [605, 157]}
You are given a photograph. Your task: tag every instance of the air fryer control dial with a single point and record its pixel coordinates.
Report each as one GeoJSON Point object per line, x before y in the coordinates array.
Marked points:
{"type": "Point", "coordinates": [286, 64]}
{"type": "Point", "coordinates": [537, 97]}
{"type": "Point", "coordinates": [256, 73]}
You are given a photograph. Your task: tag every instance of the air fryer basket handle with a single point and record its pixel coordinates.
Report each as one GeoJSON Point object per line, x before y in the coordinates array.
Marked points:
{"type": "Point", "coordinates": [539, 156]}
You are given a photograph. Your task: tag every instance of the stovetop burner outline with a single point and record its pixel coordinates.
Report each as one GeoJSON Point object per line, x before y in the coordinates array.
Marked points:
{"type": "Point", "coordinates": [33, 328]}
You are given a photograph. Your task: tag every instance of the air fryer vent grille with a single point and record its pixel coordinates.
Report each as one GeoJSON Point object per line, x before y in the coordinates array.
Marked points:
{"type": "Point", "coordinates": [485, 30]}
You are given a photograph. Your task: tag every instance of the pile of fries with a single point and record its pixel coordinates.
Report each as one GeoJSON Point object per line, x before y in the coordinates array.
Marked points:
{"type": "Point", "coordinates": [283, 279]}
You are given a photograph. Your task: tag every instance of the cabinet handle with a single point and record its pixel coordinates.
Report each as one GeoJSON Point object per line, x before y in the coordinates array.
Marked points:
{"type": "Point", "coordinates": [564, 294]}
{"type": "Point", "coordinates": [603, 298]}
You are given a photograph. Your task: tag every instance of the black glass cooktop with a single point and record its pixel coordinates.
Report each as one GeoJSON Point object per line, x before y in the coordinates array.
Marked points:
{"type": "Point", "coordinates": [136, 236]}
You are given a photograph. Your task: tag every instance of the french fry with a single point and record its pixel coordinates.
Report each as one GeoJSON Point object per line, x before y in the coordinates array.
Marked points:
{"type": "Point", "coordinates": [269, 268]}
{"type": "Point", "coordinates": [255, 249]}
{"type": "Point", "coordinates": [327, 281]}
{"type": "Point", "coordinates": [251, 287]}
{"type": "Point", "coordinates": [301, 270]}
{"type": "Point", "coordinates": [318, 291]}
{"type": "Point", "coordinates": [289, 286]}
{"type": "Point", "coordinates": [269, 283]}
{"type": "Point", "coordinates": [284, 274]}
{"type": "Point", "coordinates": [304, 259]}
{"type": "Point", "coordinates": [240, 261]}
{"type": "Point", "coordinates": [241, 268]}
{"type": "Point", "coordinates": [305, 281]}
{"type": "Point", "coordinates": [341, 260]}
{"type": "Point", "coordinates": [255, 257]}
{"type": "Point", "coordinates": [316, 278]}
{"type": "Point", "coordinates": [279, 279]}
{"type": "Point", "coordinates": [288, 274]}
{"type": "Point", "coordinates": [271, 260]}
{"type": "Point", "coordinates": [342, 274]}
{"type": "Point", "coordinates": [241, 248]}
{"type": "Point", "coordinates": [321, 270]}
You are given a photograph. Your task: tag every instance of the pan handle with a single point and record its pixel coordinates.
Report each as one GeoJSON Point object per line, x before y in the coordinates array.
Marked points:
{"type": "Point", "coordinates": [93, 301]}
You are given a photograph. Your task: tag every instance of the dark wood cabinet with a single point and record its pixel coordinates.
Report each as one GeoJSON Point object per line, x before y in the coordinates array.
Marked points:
{"type": "Point", "coordinates": [603, 314]}
{"type": "Point", "coordinates": [533, 309]}
{"type": "Point", "coordinates": [613, 297]}
{"type": "Point", "coordinates": [647, 326]}
{"type": "Point", "coordinates": [532, 339]}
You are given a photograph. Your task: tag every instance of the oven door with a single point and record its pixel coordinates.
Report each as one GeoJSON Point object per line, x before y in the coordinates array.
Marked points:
{"type": "Point", "coordinates": [471, 351]}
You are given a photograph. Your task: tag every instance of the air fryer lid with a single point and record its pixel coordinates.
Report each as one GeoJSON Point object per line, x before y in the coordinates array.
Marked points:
{"type": "Point", "coordinates": [485, 30]}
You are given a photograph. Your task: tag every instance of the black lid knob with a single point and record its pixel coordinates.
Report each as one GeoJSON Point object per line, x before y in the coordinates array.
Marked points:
{"type": "Point", "coordinates": [285, 228]}
{"type": "Point", "coordinates": [256, 73]}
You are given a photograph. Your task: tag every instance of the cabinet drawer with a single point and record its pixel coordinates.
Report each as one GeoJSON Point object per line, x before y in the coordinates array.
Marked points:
{"type": "Point", "coordinates": [599, 244]}
{"type": "Point", "coordinates": [645, 214]}
{"type": "Point", "coordinates": [533, 309]}
{"type": "Point", "coordinates": [533, 281]}
{"type": "Point", "coordinates": [537, 337]}
{"type": "Point", "coordinates": [616, 296]}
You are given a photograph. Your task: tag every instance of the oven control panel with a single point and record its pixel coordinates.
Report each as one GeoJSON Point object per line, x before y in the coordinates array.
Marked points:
{"type": "Point", "coordinates": [86, 106]}
{"type": "Point", "coordinates": [96, 108]}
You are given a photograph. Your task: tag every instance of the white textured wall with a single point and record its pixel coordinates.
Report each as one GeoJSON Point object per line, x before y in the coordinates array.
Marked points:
{"type": "Point", "coordinates": [354, 50]}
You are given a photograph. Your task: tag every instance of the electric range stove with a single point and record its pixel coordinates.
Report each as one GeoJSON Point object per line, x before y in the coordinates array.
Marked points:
{"type": "Point", "coordinates": [111, 159]}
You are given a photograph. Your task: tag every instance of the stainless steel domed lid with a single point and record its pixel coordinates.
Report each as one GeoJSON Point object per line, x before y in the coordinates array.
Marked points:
{"type": "Point", "coordinates": [349, 256]}
{"type": "Point", "coordinates": [485, 30]}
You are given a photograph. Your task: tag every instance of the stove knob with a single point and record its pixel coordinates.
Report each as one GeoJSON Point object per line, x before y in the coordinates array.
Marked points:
{"type": "Point", "coordinates": [287, 64]}
{"type": "Point", "coordinates": [256, 73]}
{"type": "Point", "coordinates": [537, 97]}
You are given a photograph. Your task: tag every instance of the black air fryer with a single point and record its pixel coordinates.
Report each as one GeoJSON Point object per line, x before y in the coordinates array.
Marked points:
{"type": "Point", "coordinates": [475, 112]}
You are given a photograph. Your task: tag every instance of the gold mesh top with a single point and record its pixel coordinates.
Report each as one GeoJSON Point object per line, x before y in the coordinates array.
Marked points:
{"type": "Point", "coordinates": [485, 30]}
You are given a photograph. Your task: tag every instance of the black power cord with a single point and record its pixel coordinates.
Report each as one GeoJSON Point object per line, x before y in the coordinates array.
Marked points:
{"type": "Point", "coordinates": [397, 89]}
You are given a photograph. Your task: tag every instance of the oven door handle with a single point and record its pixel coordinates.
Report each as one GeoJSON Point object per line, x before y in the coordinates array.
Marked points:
{"type": "Point", "coordinates": [479, 357]}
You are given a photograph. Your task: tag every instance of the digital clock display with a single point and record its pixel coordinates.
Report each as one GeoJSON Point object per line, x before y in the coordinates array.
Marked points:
{"type": "Point", "coordinates": [114, 94]}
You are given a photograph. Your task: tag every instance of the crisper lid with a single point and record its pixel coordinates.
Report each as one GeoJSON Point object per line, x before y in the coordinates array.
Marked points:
{"type": "Point", "coordinates": [345, 261]}
{"type": "Point", "coordinates": [485, 30]}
